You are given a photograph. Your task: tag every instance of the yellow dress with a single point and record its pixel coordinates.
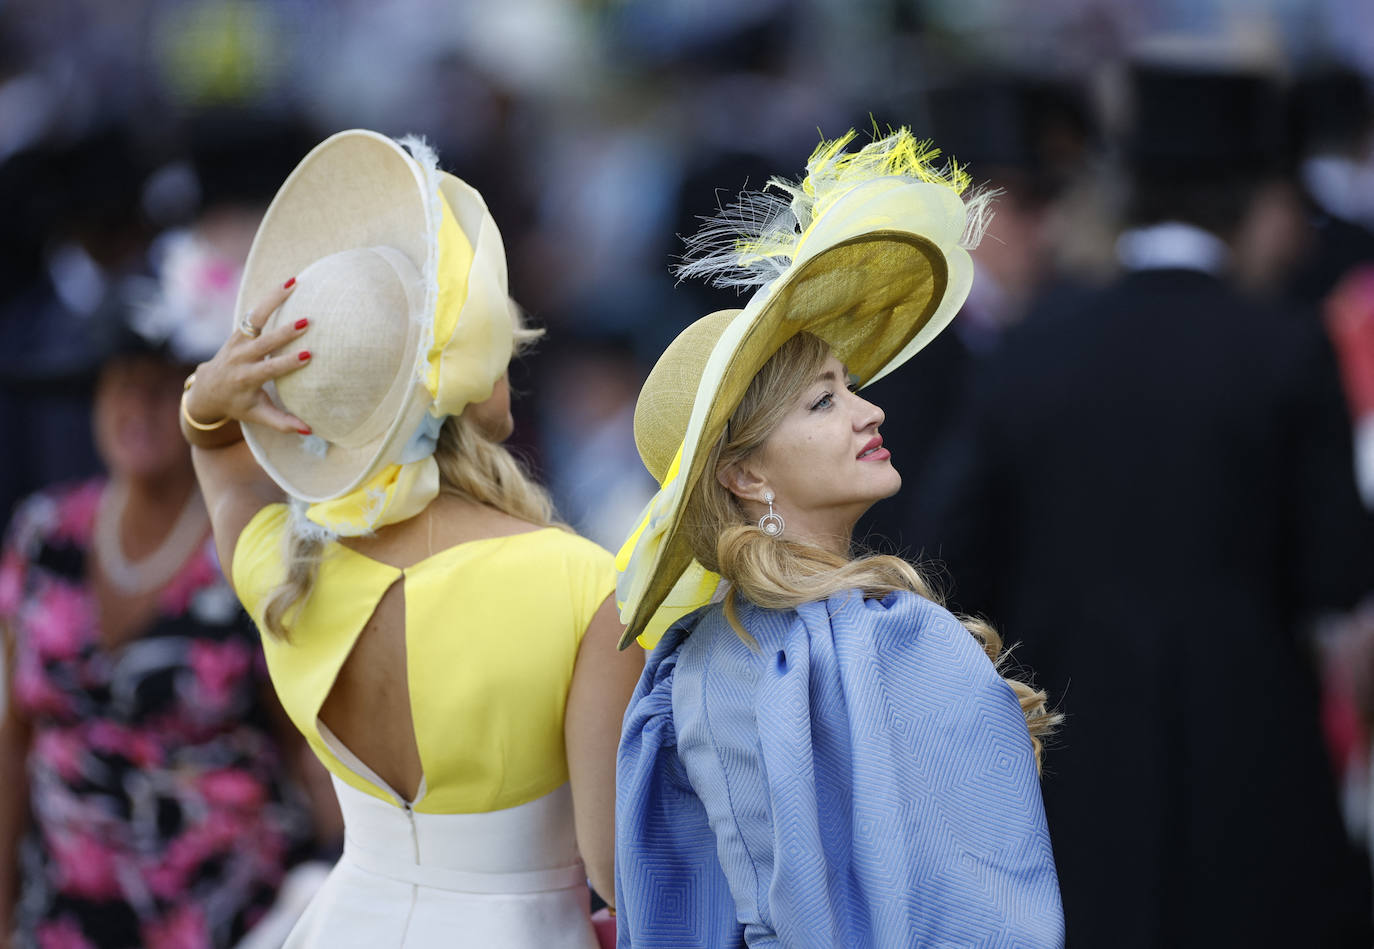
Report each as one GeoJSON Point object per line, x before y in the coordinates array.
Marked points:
{"type": "Point", "coordinates": [493, 628]}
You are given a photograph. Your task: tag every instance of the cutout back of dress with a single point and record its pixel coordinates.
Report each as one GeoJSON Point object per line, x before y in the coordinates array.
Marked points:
{"type": "Point", "coordinates": [369, 709]}
{"type": "Point", "coordinates": [477, 642]}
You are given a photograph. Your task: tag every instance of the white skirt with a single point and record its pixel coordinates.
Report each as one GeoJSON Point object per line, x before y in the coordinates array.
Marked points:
{"type": "Point", "coordinates": [509, 879]}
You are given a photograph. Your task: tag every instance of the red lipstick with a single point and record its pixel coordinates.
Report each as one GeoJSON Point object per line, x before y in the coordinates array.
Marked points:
{"type": "Point", "coordinates": [874, 450]}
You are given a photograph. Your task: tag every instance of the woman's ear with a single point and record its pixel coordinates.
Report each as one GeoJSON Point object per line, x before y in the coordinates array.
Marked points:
{"type": "Point", "coordinates": [741, 481]}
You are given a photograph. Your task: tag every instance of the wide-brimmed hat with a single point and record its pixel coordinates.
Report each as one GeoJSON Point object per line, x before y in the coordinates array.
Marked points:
{"type": "Point", "coordinates": [402, 274]}
{"type": "Point", "coordinates": [867, 253]}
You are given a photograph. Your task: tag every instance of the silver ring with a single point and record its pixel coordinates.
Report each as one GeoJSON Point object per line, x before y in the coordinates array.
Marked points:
{"type": "Point", "coordinates": [247, 328]}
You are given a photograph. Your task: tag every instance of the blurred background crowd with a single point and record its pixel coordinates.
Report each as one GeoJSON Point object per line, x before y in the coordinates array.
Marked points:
{"type": "Point", "coordinates": [1054, 469]}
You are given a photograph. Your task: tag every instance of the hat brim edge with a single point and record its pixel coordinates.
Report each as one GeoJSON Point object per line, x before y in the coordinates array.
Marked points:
{"type": "Point", "coordinates": [267, 267]}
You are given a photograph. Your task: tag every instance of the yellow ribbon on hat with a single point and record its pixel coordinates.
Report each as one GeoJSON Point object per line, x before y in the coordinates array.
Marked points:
{"type": "Point", "coordinates": [401, 491]}
{"type": "Point", "coordinates": [635, 561]}
{"type": "Point", "coordinates": [398, 492]}
{"type": "Point", "coordinates": [469, 355]}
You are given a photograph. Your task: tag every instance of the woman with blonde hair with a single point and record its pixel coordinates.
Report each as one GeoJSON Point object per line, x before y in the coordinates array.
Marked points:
{"type": "Point", "coordinates": [818, 754]}
{"type": "Point", "coordinates": [445, 647]}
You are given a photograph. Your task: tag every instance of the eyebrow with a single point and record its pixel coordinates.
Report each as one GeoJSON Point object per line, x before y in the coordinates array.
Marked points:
{"type": "Point", "coordinates": [829, 375]}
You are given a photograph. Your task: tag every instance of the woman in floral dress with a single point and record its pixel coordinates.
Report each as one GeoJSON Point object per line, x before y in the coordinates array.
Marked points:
{"type": "Point", "coordinates": [141, 801]}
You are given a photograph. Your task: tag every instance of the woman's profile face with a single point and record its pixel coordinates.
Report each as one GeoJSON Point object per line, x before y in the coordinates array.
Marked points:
{"type": "Point", "coordinates": [825, 462]}
{"type": "Point", "coordinates": [137, 429]}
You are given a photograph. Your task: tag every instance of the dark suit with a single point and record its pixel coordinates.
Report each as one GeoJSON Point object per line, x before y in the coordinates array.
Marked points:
{"type": "Point", "coordinates": [1151, 492]}
{"type": "Point", "coordinates": [1335, 248]}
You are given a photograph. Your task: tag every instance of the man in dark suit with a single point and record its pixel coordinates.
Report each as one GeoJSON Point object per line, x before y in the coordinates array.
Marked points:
{"type": "Point", "coordinates": [1027, 137]}
{"type": "Point", "coordinates": [1333, 122]}
{"type": "Point", "coordinates": [1153, 493]}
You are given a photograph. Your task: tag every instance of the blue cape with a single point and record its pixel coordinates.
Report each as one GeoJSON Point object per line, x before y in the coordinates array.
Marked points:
{"type": "Point", "coordinates": [862, 778]}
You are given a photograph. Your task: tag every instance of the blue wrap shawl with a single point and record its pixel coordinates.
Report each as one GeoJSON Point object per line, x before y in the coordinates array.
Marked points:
{"type": "Point", "coordinates": [862, 778]}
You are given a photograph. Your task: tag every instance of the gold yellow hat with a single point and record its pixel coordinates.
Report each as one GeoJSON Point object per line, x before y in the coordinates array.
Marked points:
{"type": "Point", "coordinates": [402, 274]}
{"type": "Point", "coordinates": [867, 252]}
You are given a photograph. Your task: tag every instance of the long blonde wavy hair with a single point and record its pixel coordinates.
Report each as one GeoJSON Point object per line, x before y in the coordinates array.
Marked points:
{"type": "Point", "coordinates": [471, 467]}
{"type": "Point", "coordinates": [777, 573]}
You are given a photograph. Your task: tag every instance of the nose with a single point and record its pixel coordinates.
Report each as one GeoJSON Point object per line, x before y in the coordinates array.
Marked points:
{"type": "Point", "coordinates": [867, 415]}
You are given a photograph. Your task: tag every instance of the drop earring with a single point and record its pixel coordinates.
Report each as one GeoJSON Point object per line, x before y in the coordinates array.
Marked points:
{"type": "Point", "coordinates": [772, 522]}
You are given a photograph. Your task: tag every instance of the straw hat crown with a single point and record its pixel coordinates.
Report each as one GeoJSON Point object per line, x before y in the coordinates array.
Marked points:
{"type": "Point", "coordinates": [362, 305]}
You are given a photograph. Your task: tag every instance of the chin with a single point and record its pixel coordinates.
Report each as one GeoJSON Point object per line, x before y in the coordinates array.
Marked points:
{"type": "Point", "coordinates": [884, 484]}
{"type": "Point", "coordinates": [144, 464]}
{"type": "Point", "coordinates": [896, 481]}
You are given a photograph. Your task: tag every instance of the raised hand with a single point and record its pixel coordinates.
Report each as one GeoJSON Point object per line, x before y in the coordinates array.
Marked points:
{"type": "Point", "coordinates": [230, 385]}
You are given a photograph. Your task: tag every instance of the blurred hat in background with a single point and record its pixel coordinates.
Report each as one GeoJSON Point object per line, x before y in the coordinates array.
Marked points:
{"type": "Point", "coordinates": [86, 281]}
{"type": "Point", "coordinates": [1031, 132]}
{"type": "Point", "coordinates": [74, 226]}
{"type": "Point", "coordinates": [1186, 120]}
{"type": "Point", "coordinates": [1332, 110]}
{"type": "Point", "coordinates": [231, 163]}
{"type": "Point", "coordinates": [226, 155]}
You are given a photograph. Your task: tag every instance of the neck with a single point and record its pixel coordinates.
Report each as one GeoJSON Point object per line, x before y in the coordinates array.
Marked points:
{"type": "Point", "coordinates": [160, 491]}
{"type": "Point", "coordinates": [146, 529]}
{"type": "Point", "coordinates": [837, 542]}
{"type": "Point", "coordinates": [830, 530]}
{"type": "Point", "coordinates": [152, 509]}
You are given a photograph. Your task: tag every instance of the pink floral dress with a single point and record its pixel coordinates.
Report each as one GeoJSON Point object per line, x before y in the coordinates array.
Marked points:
{"type": "Point", "coordinates": [158, 815]}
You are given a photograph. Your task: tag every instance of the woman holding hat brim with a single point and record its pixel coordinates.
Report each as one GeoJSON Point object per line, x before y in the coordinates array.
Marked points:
{"type": "Point", "coordinates": [822, 755]}
{"type": "Point", "coordinates": [448, 652]}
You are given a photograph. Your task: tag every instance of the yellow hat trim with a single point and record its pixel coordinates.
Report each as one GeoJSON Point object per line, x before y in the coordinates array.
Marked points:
{"type": "Point", "coordinates": [396, 493]}
{"type": "Point", "coordinates": [400, 491]}
{"type": "Point", "coordinates": [469, 354]}
{"type": "Point", "coordinates": [693, 589]}
{"type": "Point", "coordinates": [455, 264]}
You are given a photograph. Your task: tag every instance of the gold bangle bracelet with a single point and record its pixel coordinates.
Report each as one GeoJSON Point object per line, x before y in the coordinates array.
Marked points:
{"type": "Point", "coordinates": [185, 413]}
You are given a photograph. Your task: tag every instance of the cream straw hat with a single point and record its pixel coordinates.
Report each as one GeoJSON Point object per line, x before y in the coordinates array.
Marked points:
{"type": "Point", "coordinates": [402, 274]}
{"type": "Point", "coordinates": [867, 252]}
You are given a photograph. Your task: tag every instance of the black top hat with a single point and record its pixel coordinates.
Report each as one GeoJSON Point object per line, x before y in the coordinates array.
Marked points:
{"type": "Point", "coordinates": [1191, 122]}
{"type": "Point", "coordinates": [243, 155]}
{"type": "Point", "coordinates": [46, 345]}
{"type": "Point", "coordinates": [1036, 129]}
{"type": "Point", "coordinates": [1332, 108]}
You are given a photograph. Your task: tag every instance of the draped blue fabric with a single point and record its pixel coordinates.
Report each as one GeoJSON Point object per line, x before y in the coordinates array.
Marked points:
{"type": "Point", "coordinates": [861, 777]}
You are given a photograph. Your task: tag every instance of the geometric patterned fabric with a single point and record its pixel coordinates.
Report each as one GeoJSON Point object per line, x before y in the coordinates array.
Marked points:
{"type": "Point", "coordinates": [861, 778]}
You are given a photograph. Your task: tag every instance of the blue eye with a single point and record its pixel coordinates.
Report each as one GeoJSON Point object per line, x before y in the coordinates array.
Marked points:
{"type": "Point", "coordinates": [824, 401]}
{"type": "Point", "coordinates": [853, 385]}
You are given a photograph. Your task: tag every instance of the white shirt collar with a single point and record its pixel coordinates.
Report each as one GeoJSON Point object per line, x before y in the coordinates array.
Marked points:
{"type": "Point", "coordinates": [1172, 245]}
{"type": "Point", "coordinates": [1340, 186]}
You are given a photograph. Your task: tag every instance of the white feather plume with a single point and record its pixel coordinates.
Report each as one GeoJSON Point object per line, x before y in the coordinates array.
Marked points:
{"type": "Point", "coordinates": [753, 241]}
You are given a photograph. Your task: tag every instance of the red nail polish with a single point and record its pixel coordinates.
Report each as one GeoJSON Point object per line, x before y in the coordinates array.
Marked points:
{"type": "Point", "coordinates": [303, 355]}
{"type": "Point", "coordinates": [302, 324]}
{"type": "Point", "coordinates": [303, 431]}
{"type": "Point", "coordinates": [289, 284]}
